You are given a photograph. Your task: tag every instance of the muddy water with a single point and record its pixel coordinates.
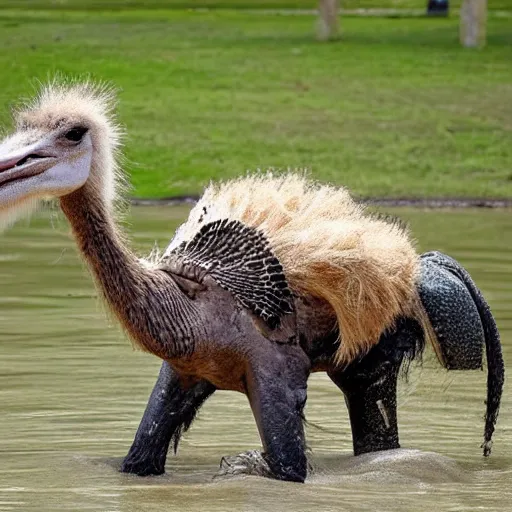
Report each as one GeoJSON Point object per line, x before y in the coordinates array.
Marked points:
{"type": "Point", "coordinates": [72, 392]}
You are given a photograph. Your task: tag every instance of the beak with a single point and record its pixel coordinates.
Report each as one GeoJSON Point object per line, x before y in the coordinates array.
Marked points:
{"type": "Point", "coordinates": [23, 162]}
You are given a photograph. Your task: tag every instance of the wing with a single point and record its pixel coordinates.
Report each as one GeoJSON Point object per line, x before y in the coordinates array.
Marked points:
{"type": "Point", "coordinates": [240, 260]}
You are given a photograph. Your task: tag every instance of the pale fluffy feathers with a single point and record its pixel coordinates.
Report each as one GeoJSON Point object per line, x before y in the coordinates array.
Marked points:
{"type": "Point", "coordinates": [363, 267]}
{"type": "Point", "coordinates": [83, 103]}
{"type": "Point", "coordinates": [12, 213]}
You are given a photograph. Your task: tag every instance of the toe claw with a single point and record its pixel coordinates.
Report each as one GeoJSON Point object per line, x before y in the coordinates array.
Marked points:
{"type": "Point", "coordinates": [247, 463]}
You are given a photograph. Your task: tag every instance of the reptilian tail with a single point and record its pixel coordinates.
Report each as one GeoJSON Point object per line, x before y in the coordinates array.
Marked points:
{"type": "Point", "coordinates": [495, 363]}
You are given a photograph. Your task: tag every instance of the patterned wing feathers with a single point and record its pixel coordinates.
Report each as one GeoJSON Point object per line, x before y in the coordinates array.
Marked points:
{"type": "Point", "coordinates": [239, 259]}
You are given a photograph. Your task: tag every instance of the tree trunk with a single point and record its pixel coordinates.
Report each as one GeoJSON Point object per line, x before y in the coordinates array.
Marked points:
{"type": "Point", "coordinates": [328, 26]}
{"type": "Point", "coordinates": [473, 19]}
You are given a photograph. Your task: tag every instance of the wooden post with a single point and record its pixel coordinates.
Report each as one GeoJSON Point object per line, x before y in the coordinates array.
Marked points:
{"type": "Point", "coordinates": [328, 25]}
{"type": "Point", "coordinates": [473, 20]}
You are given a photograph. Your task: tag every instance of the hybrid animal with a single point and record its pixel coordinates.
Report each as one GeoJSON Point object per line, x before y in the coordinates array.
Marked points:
{"type": "Point", "coordinates": [270, 279]}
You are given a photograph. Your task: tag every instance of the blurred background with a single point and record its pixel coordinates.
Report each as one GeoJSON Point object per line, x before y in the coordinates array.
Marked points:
{"type": "Point", "coordinates": [392, 98]}
{"type": "Point", "coordinates": [392, 104]}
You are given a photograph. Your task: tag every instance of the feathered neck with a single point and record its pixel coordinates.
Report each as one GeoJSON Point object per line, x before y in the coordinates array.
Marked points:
{"type": "Point", "coordinates": [122, 280]}
{"type": "Point", "coordinates": [116, 269]}
{"type": "Point", "coordinates": [156, 315]}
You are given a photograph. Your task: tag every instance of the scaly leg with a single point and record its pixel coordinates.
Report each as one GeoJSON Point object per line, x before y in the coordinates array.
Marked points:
{"type": "Point", "coordinates": [170, 412]}
{"type": "Point", "coordinates": [370, 384]}
{"type": "Point", "coordinates": [276, 388]}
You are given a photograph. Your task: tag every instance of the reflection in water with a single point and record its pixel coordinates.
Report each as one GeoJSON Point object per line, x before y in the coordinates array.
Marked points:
{"type": "Point", "coordinates": [72, 392]}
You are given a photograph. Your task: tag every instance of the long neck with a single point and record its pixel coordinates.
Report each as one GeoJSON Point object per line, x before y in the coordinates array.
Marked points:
{"type": "Point", "coordinates": [115, 267]}
{"type": "Point", "coordinates": [141, 298]}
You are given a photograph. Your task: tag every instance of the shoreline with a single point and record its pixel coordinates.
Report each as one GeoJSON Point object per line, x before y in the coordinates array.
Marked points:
{"type": "Point", "coordinates": [392, 202]}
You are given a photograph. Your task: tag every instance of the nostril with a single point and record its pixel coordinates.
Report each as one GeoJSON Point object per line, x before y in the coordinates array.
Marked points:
{"type": "Point", "coordinates": [25, 159]}
{"type": "Point", "coordinates": [8, 164]}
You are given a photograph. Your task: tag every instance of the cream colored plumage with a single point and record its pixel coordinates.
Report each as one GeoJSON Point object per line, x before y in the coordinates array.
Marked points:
{"type": "Point", "coordinates": [364, 267]}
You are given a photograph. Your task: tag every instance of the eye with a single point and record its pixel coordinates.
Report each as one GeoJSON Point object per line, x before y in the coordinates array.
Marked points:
{"type": "Point", "coordinates": [75, 134]}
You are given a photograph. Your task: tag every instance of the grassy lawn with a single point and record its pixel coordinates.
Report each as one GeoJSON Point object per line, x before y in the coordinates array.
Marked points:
{"type": "Point", "coordinates": [237, 4]}
{"type": "Point", "coordinates": [396, 107]}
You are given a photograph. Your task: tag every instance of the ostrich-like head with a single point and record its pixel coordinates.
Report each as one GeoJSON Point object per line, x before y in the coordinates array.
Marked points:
{"type": "Point", "coordinates": [63, 139]}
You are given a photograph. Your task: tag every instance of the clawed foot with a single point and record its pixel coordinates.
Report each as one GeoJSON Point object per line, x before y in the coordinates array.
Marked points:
{"type": "Point", "coordinates": [246, 463]}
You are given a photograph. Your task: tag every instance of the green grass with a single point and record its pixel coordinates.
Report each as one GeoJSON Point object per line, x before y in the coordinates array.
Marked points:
{"type": "Point", "coordinates": [237, 4]}
{"type": "Point", "coordinates": [396, 107]}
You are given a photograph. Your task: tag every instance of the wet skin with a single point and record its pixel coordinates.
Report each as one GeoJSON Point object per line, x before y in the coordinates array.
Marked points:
{"type": "Point", "coordinates": [276, 383]}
